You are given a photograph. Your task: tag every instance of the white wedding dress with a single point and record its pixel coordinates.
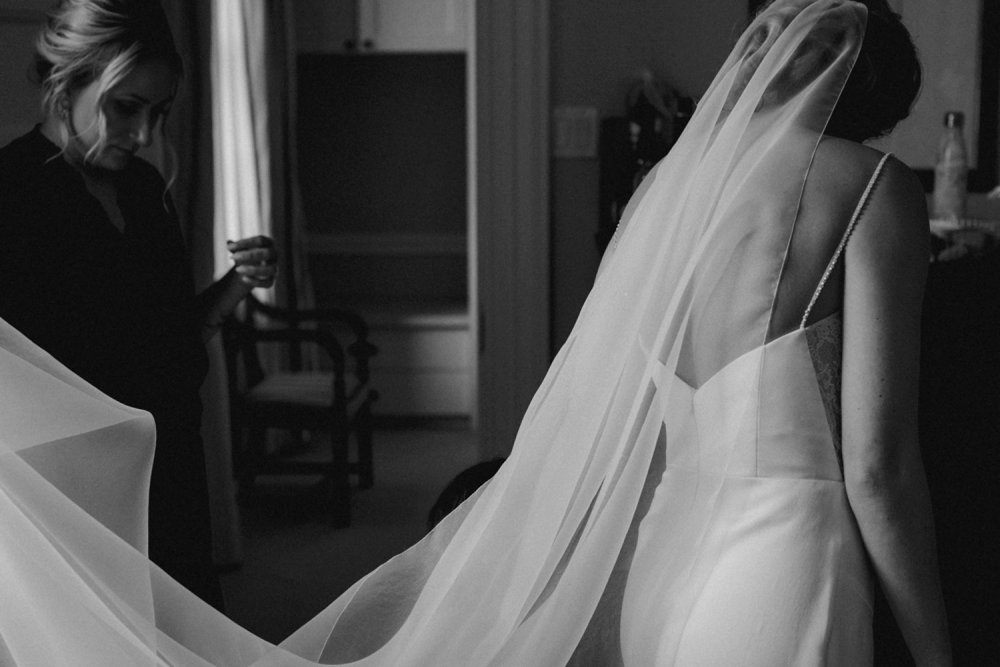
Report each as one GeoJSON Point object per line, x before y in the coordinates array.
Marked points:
{"type": "Point", "coordinates": [673, 497]}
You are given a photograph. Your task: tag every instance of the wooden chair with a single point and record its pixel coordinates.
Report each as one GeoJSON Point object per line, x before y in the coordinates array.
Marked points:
{"type": "Point", "coordinates": [336, 401]}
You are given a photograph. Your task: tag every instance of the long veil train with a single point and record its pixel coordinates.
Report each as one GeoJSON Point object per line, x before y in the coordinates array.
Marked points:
{"type": "Point", "coordinates": [530, 571]}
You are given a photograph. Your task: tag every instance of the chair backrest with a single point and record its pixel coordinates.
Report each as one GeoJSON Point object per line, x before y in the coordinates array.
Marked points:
{"type": "Point", "coordinates": [255, 323]}
{"type": "Point", "coordinates": [342, 323]}
{"type": "Point", "coordinates": [258, 313]}
{"type": "Point", "coordinates": [243, 367]}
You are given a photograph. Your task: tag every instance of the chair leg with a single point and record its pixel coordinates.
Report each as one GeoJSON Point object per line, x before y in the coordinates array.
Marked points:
{"type": "Point", "coordinates": [252, 460]}
{"type": "Point", "coordinates": [340, 484]}
{"type": "Point", "coordinates": [238, 450]}
{"type": "Point", "coordinates": [363, 432]}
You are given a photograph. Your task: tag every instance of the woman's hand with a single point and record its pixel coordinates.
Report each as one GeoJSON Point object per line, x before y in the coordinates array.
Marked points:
{"type": "Point", "coordinates": [256, 265]}
{"type": "Point", "coordinates": [255, 259]}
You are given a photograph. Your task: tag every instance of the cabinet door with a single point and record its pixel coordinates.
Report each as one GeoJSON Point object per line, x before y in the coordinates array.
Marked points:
{"type": "Point", "coordinates": [412, 25]}
{"type": "Point", "coordinates": [326, 26]}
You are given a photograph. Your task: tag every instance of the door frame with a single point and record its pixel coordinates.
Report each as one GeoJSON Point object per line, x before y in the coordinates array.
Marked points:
{"type": "Point", "coordinates": [509, 239]}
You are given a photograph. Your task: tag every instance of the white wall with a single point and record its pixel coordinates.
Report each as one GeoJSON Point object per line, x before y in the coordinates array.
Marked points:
{"type": "Point", "coordinates": [598, 49]}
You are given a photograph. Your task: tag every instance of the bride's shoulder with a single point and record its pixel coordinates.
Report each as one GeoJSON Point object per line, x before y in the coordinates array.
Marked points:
{"type": "Point", "coordinates": [844, 168]}
{"type": "Point", "coordinates": [848, 158]}
{"type": "Point", "coordinates": [893, 227]}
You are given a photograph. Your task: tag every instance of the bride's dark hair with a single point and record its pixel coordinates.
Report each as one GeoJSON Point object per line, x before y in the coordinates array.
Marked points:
{"type": "Point", "coordinates": [884, 82]}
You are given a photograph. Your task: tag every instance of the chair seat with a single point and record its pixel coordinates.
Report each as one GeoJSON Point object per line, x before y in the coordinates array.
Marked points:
{"type": "Point", "coordinates": [312, 389]}
{"type": "Point", "coordinates": [301, 401]}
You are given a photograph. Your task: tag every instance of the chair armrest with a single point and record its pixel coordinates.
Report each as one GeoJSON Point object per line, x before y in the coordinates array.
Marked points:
{"type": "Point", "coordinates": [241, 339]}
{"type": "Point", "coordinates": [324, 339]}
{"type": "Point", "coordinates": [295, 316]}
{"type": "Point", "coordinates": [361, 349]}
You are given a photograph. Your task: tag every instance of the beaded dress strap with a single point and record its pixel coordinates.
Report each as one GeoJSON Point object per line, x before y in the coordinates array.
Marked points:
{"type": "Point", "coordinates": [858, 210]}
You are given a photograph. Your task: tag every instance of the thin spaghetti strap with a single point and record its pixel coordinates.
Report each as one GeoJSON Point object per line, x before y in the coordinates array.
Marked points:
{"type": "Point", "coordinates": [858, 210]}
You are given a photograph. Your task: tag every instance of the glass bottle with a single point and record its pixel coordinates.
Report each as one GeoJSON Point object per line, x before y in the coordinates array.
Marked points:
{"type": "Point", "coordinates": [951, 170]}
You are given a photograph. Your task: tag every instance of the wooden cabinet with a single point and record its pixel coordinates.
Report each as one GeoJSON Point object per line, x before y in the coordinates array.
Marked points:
{"type": "Point", "coordinates": [412, 25]}
{"type": "Point", "coordinates": [381, 26]}
{"type": "Point", "coordinates": [325, 25]}
{"type": "Point", "coordinates": [424, 367]}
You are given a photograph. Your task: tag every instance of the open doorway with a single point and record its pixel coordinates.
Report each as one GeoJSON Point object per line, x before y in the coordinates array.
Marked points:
{"type": "Point", "coordinates": [507, 233]}
{"type": "Point", "coordinates": [386, 143]}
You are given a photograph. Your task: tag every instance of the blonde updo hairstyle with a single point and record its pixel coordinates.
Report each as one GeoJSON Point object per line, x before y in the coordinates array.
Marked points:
{"type": "Point", "coordinates": [98, 40]}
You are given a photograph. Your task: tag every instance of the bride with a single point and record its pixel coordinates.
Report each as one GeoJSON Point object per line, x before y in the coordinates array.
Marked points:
{"type": "Point", "coordinates": [718, 464]}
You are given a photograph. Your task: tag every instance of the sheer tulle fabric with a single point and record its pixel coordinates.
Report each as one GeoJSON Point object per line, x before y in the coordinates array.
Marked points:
{"type": "Point", "coordinates": [532, 570]}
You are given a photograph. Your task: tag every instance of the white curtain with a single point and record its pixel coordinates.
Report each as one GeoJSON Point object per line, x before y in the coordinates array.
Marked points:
{"type": "Point", "coordinates": [240, 119]}
{"type": "Point", "coordinates": [255, 192]}
{"type": "Point", "coordinates": [241, 160]}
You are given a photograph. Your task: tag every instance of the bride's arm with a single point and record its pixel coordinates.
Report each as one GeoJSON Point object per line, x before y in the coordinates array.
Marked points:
{"type": "Point", "coordinates": [886, 267]}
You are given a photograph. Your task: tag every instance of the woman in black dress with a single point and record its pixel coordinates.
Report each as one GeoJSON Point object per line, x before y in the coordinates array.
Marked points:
{"type": "Point", "coordinates": [92, 263]}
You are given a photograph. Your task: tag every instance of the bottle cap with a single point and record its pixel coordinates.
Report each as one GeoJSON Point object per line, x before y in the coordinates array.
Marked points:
{"type": "Point", "coordinates": [954, 119]}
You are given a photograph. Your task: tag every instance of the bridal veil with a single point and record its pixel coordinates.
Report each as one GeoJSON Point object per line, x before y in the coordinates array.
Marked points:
{"type": "Point", "coordinates": [531, 570]}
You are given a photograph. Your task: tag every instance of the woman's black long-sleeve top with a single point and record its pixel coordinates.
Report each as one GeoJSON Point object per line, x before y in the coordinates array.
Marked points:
{"type": "Point", "coordinates": [118, 309]}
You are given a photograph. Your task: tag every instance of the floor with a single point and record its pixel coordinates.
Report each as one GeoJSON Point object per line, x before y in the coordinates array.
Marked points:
{"type": "Point", "coordinates": [295, 563]}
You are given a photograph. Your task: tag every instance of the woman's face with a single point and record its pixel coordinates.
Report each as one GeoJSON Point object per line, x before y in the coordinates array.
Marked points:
{"type": "Point", "coordinates": [132, 110]}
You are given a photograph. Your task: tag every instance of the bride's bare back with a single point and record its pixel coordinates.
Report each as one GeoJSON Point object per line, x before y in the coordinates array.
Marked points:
{"type": "Point", "coordinates": [837, 179]}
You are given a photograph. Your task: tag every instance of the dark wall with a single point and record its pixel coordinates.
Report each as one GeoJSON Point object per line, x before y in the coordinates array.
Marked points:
{"type": "Point", "coordinates": [382, 142]}
{"type": "Point", "coordinates": [382, 151]}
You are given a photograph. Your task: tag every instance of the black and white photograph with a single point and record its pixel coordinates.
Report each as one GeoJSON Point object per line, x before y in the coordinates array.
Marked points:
{"type": "Point", "coordinates": [499, 333]}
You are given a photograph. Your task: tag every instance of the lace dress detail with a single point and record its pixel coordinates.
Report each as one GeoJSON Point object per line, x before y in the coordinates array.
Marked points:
{"type": "Point", "coordinates": [825, 337]}
{"type": "Point", "coordinates": [825, 341]}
